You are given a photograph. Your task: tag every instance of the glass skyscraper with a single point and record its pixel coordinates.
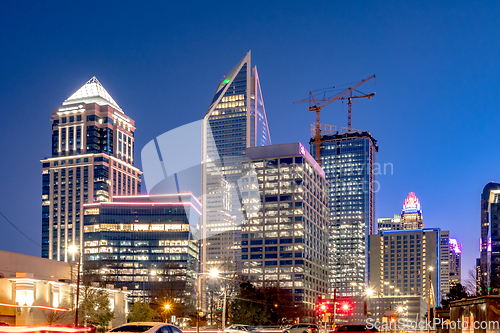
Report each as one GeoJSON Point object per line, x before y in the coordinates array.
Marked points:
{"type": "Point", "coordinates": [92, 161]}
{"type": "Point", "coordinates": [236, 119]}
{"type": "Point", "coordinates": [348, 160]}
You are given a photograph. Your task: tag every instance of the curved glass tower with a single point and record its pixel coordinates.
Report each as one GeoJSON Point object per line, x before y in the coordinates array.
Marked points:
{"type": "Point", "coordinates": [236, 119]}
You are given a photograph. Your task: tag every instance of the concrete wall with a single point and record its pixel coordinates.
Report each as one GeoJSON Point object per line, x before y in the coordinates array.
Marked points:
{"type": "Point", "coordinates": [43, 269]}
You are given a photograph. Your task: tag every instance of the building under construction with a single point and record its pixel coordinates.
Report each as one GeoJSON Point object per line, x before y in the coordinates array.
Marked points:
{"type": "Point", "coordinates": [348, 157]}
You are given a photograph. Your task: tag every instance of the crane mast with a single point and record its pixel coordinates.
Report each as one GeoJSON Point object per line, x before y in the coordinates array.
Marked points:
{"type": "Point", "coordinates": [317, 109]}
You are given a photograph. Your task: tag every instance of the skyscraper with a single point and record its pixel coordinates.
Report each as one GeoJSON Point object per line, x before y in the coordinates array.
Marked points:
{"type": "Point", "coordinates": [490, 240]}
{"type": "Point", "coordinates": [455, 262]}
{"type": "Point", "coordinates": [235, 120]}
{"type": "Point", "coordinates": [411, 214]}
{"type": "Point", "coordinates": [348, 160]}
{"type": "Point", "coordinates": [92, 160]}
{"type": "Point", "coordinates": [284, 237]}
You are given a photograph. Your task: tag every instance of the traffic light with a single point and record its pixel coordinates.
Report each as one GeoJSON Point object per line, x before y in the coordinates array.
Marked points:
{"type": "Point", "coordinates": [345, 307]}
{"type": "Point", "coordinates": [321, 307]}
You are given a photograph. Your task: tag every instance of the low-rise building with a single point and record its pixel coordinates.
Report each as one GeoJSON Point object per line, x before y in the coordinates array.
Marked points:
{"type": "Point", "coordinates": [145, 243]}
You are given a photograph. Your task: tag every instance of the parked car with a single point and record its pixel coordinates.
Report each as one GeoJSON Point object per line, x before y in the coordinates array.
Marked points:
{"type": "Point", "coordinates": [355, 329]}
{"type": "Point", "coordinates": [302, 328]}
{"type": "Point", "coordinates": [146, 327]}
{"type": "Point", "coordinates": [237, 328]}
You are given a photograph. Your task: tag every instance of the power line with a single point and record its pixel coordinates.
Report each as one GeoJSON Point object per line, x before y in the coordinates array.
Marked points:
{"type": "Point", "coordinates": [12, 224]}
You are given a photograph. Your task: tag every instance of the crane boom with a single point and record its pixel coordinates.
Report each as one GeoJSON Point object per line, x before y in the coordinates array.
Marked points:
{"type": "Point", "coordinates": [317, 109]}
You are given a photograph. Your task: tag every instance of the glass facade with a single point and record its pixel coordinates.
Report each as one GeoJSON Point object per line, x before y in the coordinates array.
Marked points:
{"type": "Point", "coordinates": [147, 247]}
{"type": "Point", "coordinates": [348, 161]}
{"type": "Point", "coordinates": [235, 120]}
{"type": "Point", "coordinates": [284, 235]}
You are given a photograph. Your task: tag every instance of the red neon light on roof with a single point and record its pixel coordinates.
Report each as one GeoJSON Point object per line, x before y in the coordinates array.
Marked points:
{"type": "Point", "coordinates": [142, 203]}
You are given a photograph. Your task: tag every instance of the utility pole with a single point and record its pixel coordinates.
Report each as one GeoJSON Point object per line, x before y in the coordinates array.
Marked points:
{"type": "Point", "coordinates": [224, 311]}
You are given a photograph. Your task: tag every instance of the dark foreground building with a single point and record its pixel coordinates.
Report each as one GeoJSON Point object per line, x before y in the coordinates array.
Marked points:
{"type": "Point", "coordinates": [147, 244]}
{"type": "Point", "coordinates": [489, 281]}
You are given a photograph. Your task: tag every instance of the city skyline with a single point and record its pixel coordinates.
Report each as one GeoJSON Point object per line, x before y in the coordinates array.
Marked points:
{"type": "Point", "coordinates": [434, 91]}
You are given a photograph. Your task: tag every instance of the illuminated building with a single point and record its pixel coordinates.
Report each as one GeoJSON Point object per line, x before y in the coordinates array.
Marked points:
{"type": "Point", "coordinates": [444, 257]}
{"type": "Point", "coordinates": [411, 215]}
{"type": "Point", "coordinates": [284, 236]}
{"type": "Point", "coordinates": [92, 160]}
{"type": "Point", "coordinates": [236, 119]}
{"type": "Point", "coordinates": [455, 262]}
{"type": "Point", "coordinates": [389, 223]}
{"type": "Point", "coordinates": [490, 240]}
{"type": "Point", "coordinates": [348, 160]}
{"type": "Point", "coordinates": [143, 244]}
{"type": "Point", "coordinates": [400, 265]}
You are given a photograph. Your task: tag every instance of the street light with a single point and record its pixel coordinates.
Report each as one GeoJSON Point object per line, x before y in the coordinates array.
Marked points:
{"type": "Point", "coordinates": [213, 273]}
{"type": "Point", "coordinates": [73, 249]}
{"type": "Point", "coordinates": [370, 292]}
{"type": "Point", "coordinates": [167, 310]}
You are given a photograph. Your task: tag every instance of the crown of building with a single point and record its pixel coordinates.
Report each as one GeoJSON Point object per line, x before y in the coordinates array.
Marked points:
{"type": "Point", "coordinates": [411, 205]}
{"type": "Point", "coordinates": [92, 92]}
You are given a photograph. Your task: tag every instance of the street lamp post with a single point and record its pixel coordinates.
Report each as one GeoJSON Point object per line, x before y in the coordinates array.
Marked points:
{"type": "Point", "coordinates": [74, 250]}
{"type": "Point", "coordinates": [214, 273]}
{"type": "Point", "coordinates": [370, 292]}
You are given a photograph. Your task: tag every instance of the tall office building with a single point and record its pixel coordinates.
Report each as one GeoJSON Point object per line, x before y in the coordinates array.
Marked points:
{"type": "Point", "coordinates": [411, 214]}
{"type": "Point", "coordinates": [348, 160]}
{"type": "Point", "coordinates": [490, 240]}
{"type": "Point", "coordinates": [444, 257]}
{"type": "Point", "coordinates": [400, 264]}
{"type": "Point", "coordinates": [145, 243]}
{"type": "Point", "coordinates": [92, 160]}
{"type": "Point", "coordinates": [284, 235]}
{"type": "Point", "coordinates": [455, 262]}
{"type": "Point", "coordinates": [235, 120]}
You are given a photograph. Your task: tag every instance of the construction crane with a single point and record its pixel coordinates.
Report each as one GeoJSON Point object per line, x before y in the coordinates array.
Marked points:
{"type": "Point", "coordinates": [317, 109]}
{"type": "Point", "coordinates": [349, 107]}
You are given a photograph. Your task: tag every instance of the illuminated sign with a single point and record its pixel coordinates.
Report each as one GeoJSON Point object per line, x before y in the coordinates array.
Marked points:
{"type": "Point", "coordinates": [411, 204]}
{"type": "Point", "coordinates": [302, 150]}
{"type": "Point", "coordinates": [455, 246]}
{"type": "Point", "coordinates": [91, 211]}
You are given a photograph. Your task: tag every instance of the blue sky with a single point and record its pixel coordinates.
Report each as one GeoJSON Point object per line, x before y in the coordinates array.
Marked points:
{"type": "Point", "coordinates": [434, 114]}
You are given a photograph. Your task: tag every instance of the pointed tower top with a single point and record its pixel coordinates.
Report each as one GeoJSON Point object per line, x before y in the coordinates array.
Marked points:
{"type": "Point", "coordinates": [92, 92]}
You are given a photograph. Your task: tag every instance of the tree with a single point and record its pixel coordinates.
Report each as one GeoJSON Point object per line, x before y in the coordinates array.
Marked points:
{"type": "Point", "coordinates": [269, 305]}
{"type": "Point", "coordinates": [95, 307]}
{"type": "Point", "coordinates": [457, 292]}
{"type": "Point", "coordinates": [141, 312]}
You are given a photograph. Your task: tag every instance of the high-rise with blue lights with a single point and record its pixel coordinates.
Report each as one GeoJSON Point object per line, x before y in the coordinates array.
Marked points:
{"type": "Point", "coordinates": [348, 159]}
{"type": "Point", "coordinates": [235, 120]}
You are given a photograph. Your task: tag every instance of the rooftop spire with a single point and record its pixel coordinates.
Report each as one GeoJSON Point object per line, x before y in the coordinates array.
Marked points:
{"type": "Point", "coordinates": [92, 92]}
